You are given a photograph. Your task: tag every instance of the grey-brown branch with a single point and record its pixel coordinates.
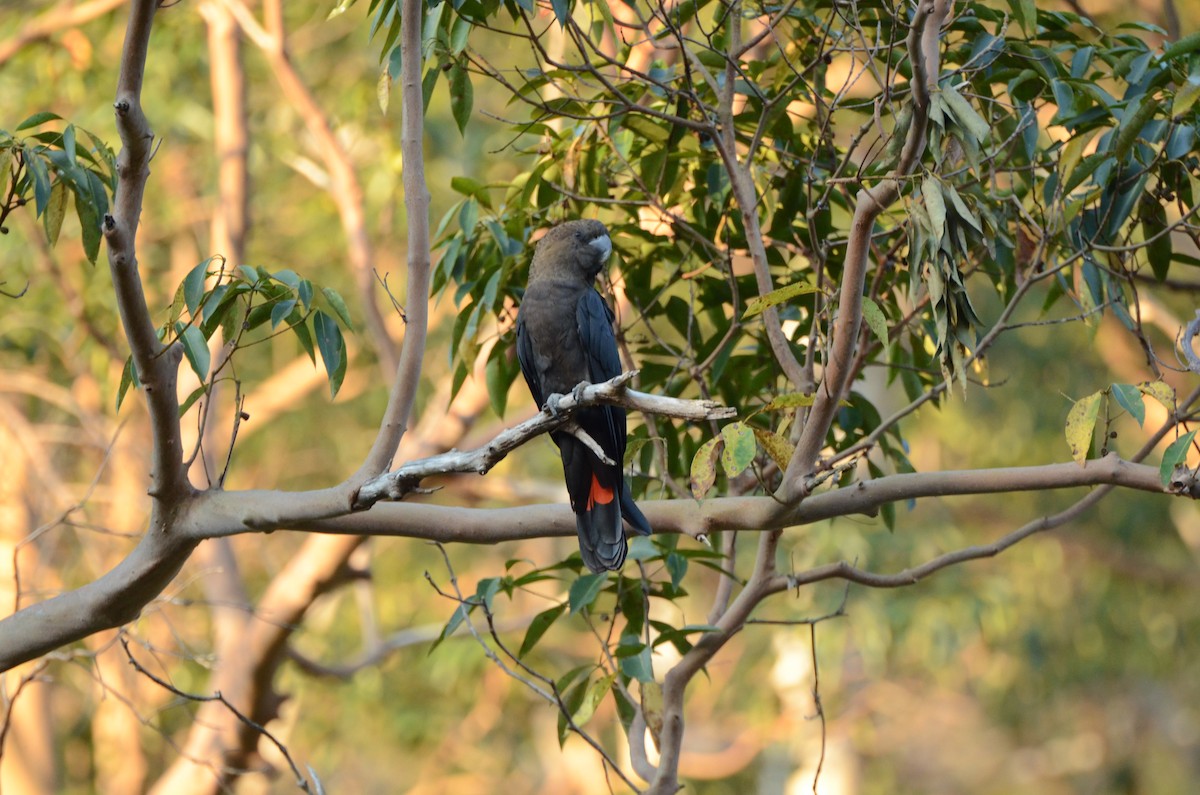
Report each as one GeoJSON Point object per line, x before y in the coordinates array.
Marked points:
{"type": "Point", "coordinates": [396, 484]}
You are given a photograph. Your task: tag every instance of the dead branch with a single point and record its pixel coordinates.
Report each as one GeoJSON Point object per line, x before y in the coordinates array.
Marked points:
{"type": "Point", "coordinates": [396, 484]}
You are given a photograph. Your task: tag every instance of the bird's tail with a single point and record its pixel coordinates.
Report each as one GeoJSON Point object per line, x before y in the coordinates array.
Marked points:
{"type": "Point", "coordinates": [633, 514]}
{"type": "Point", "coordinates": [601, 536]}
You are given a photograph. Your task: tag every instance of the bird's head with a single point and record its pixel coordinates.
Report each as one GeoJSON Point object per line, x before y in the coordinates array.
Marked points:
{"type": "Point", "coordinates": [572, 248]}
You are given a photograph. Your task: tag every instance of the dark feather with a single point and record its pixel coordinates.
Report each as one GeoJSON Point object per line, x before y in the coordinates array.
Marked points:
{"type": "Point", "coordinates": [565, 336]}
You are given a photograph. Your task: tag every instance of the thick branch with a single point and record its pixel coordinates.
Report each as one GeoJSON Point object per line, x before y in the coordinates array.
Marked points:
{"type": "Point", "coordinates": [233, 512]}
{"type": "Point", "coordinates": [416, 203]}
{"type": "Point", "coordinates": [108, 602]}
{"type": "Point", "coordinates": [923, 54]}
{"type": "Point", "coordinates": [117, 596]}
{"type": "Point", "coordinates": [157, 365]}
{"type": "Point", "coordinates": [395, 485]}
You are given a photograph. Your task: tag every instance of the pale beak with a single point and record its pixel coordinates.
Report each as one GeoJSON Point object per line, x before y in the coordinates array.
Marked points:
{"type": "Point", "coordinates": [604, 244]}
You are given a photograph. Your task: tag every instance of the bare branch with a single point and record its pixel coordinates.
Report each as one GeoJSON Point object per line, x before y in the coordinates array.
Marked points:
{"type": "Point", "coordinates": [416, 202]}
{"type": "Point", "coordinates": [395, 485]}
{"type": "Point", "coordinates": [923, 53]}
{"type": "Point", "coordinates": [157, 365]}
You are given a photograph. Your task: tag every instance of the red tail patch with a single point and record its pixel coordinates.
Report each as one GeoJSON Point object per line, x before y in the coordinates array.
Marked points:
{"type": "Point", "coordinates": [598, 494]}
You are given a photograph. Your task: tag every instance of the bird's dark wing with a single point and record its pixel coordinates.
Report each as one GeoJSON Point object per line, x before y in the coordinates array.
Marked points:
{"type": "Point", "coordinates": [606, 424]}
{"type": "Point", "coordinates": [526, 358]}
{"type": "Point", "coordinates": [595, 321]}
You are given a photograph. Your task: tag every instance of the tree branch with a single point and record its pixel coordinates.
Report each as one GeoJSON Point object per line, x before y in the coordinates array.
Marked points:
{"type": "Point", "coordinates": [923, 55]}
{"type": "Point", "coordinates": [416, 202]}
{"type": "Point", "coordinates": [395, 485]}
{"type": "Point", "coordinates": [157, 365]}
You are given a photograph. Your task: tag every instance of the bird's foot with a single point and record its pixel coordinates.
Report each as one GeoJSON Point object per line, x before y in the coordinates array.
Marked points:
{"type": "Point", "coordinates": [552, 402]}
{"type": "Point", "coordinates": [577, 392]}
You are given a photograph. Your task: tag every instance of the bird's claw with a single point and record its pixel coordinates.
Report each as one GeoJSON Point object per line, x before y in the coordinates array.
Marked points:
{"type": "Point", "coordinates": [553, 400]}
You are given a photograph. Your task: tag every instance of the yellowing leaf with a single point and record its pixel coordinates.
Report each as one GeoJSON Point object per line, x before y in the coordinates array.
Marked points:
{"type": "Point", "coordinates": [704, 468]}
{"type": "Point", "coordinates": [789, 400]}
{"type": "Point", "coordinates": [779, 448]}
{"type": "Point", "coordinates": [56, 210]}
{"type": "Point", "coordinates": [756, 305]}
{"type": "Point", "coordinates": [1187, 95]}
{"type": "Point", "coordinates": [1160, 391]}
{"type": "Point", "coordinates": [1081, 422]}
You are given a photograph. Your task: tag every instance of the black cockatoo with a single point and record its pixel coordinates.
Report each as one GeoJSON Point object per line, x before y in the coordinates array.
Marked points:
{"type": "Point", "coordinates": [565, 336]}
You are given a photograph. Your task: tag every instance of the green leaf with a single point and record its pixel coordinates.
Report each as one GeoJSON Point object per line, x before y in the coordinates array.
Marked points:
{"type": "Point", "coordinates": [129, 377]}
{"type": "Point", "coordinates": [428, 83]}
{"type": "Point", "coordinates": [90, 206]}
{"type": "Point", "coordinates": [339, 306]}
{"type": "Point", "coordinates": [935, 205]}
{"type": "Point", "coordinates": [56, 210]}
{"type": "Point", "coordinates": [486, 590]}
{"type": "Point", "coordinates": [193, 286]}
{"type": "Point", "coordinates": [1025, 12]}
{"type": "Point", "coordinates": [306, 340]}
{"type": "Point", "coordinates": [645, 128]}
{"type": "Point", "coordinates": [456, 619]}
{"type": "Point", "coordinates": [248, 274]}
{"type": "Point", "coordinates": [333, 349]}
{"type": "Point", "coordinates": [195, 347]}
{"type": "Point", "coordinates": [1081, 422]}
{"type": "Point", "coordinates": [642, 548]}
{"type": "Point", "coordinates": [572, 700]}
{"type": "Point", "coordinates": [462, 96]}
{"type": "Point", "coordinates": [966, 115]}
{"type": "Point", "coordinates": [1185, 46]}
{"type": "Point", "coordinates": [873, 317]}
{"type": "Point", "coordinates": [1174, 455]}
{"type": "Point", "coordinates": [40, 175]}
{"type": "Point", "coordinates": [37, 119]}
{"type": "Point", "coordinates": [639, 666]}
{"type": "Point", "coordinates": [305, 291]}
{"type": "Point", "coordinates": [756, 305]}
{"type": "Point", "coordinates": [289, 277]}
{"type": "Point", "coordinates": [739, 448]}
{"type": "Point", "coordinates": [497, 383]}
{"type": "Point", "coordinates": [1087, 166]}
{"type": "Point", "coordinates": [68, 144]}
{"type": "Point", "coordinates": [1154, 229]}
{"type": "Point", "coordinates": [541, 622]}
{"type": "Point", "coordinates": [677, 566]}
{"type": "Point", "coordinates": [1132, 124]}
{"type": "Point", "coordinates": [197, 393]}
{"type": "Point", "coordinates": [585, 590]}
{"type": "Point", "coordinates": [562, 11]}
{"type": "Point", "coordinates": [704, 468]}
{"type": "Point", "coordinates": [1129, 397]}
{"type": "Point", "coordinates": [280, 312]}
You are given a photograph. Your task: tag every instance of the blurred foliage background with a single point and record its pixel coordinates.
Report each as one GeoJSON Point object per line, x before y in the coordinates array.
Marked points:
{"type": "Point", "coordinates": [1067, 665]}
